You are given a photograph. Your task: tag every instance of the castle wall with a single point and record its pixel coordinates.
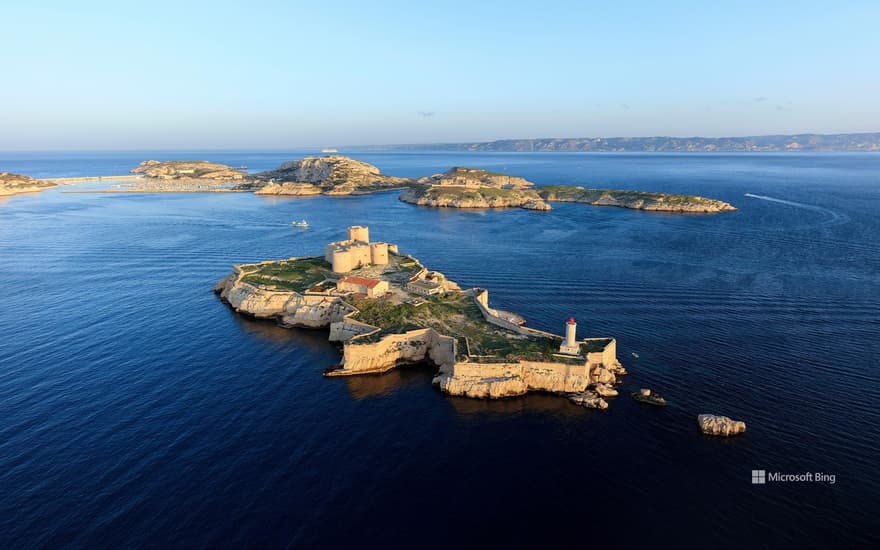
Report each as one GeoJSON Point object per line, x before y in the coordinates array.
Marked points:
{"type": "Point", "coordinates": [394, 349]}
{"type": "Point", "coordinates": [493, 380]}
{"type": "Point", "coordinates": [481, 298]}
{"type": "Point", "coordinates": [346, 329]}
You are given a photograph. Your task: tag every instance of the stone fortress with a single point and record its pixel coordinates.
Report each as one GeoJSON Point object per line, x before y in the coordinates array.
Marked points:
{"type": "Point", "coordinates": [387, 309]}
{"type": "Point", "coordinates": [357, 251]}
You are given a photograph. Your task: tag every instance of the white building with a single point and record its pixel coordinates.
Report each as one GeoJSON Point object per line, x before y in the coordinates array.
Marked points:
{"type": "Point", "coordinates": [372, 288]}
{"type": "Point", "coordinates": [570, 345]}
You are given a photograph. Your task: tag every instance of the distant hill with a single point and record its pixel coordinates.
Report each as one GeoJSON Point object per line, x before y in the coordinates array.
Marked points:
{"type": "Point", "coordinates": [797, 142]}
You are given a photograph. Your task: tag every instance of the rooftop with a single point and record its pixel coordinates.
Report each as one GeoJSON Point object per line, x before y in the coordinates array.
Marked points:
{"type": "Point", "coordinates": [363, 281]}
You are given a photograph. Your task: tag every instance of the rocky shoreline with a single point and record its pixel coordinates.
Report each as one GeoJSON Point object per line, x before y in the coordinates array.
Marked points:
{"type": "Point", "coordinates": [637, 200]}
{"type": "Point", "coordinates": [14, 184]}
{"type": "Point", "coordinates": [479, 352]}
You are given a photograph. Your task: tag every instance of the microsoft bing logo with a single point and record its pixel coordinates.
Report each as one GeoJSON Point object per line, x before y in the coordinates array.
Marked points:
{"type": "Point", "coordinates": [759, 477]}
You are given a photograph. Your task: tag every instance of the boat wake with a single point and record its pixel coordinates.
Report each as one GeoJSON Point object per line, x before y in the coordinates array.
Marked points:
{"type": "Point", "coordinates": [832, 217]}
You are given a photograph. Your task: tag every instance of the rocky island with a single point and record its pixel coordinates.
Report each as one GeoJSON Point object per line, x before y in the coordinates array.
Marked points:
{"type": "Point", "coordinates": [328, 175]}
{"type": "Point", "coordinates": [13, 184]}
{"type": "Point", "coordinates": [188, 170]}
{"type": "Point", "coordinates": [639, 200]}
{"type": "Point", "coordinates": [461, 187]}
{"type": "Point", "coordinates": [387, 309]}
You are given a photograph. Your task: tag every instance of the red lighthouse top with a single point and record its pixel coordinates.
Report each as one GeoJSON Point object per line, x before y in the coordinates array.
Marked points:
{"type": "Point", "coordinates": [571, 321]}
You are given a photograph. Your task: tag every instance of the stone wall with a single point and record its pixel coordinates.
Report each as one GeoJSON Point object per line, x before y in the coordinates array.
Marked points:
{"type": "Point", "coordinates": [481, 298]}
{"type": "Point", "coordinates": [509, 379]}
{"type": "Point", "coordinates": [396, 349]}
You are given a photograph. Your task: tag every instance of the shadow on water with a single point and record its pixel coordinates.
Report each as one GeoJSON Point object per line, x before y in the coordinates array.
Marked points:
{"type": "Point", "coordinates": [375, 385]}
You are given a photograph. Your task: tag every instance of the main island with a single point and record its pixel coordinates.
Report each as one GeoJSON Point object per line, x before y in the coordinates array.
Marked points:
{"type": "Point", "coordinates": [387, 309]}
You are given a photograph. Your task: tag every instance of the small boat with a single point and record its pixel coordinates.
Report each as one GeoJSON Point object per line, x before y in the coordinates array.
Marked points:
{"type": "Point", "coordinates": [299, 224]}
{"type": "Point", "coordinates": [329, 150]}
{"type": "Point", "coordinates": [636, 355]}
{"type": "Point", "coordinates": [645, 395]}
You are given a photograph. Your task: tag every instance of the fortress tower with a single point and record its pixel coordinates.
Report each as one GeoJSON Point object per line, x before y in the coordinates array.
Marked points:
{"type": "Point", "coordinates": [359, 233]}
{"type": "Point", "coordinates": [570, 344]}
{"type": "Point", "coordinates": [357, 251]}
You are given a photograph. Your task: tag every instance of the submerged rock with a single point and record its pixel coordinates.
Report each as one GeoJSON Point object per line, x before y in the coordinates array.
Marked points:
{"type": "Point", "coordinates": [711, 424]}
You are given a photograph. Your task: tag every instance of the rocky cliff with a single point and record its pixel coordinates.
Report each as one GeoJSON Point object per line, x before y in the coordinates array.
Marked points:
{"type": "Point", "coordinates": [189, 169]}
{"type": "Point", "coordinates": [639, 200]}
{"type": "Point", "coordinates": [289, 308]}
{"type": "Point", "coordinates": [462, 197]}
{"type": "Point", "coordinates": [12, 184]}
{"type": "Point", "coordinates": [329, 175]}
{"type": "Point", "coordinates": [288, 188]}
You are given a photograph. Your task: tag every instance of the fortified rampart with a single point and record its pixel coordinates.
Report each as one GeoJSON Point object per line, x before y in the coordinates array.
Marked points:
{"type": "Point", "coordinates": [395, 349]}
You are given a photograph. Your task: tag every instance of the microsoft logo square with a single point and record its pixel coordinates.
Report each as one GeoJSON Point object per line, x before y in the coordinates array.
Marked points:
{"type": "Point", "coordinates": [759, 477]}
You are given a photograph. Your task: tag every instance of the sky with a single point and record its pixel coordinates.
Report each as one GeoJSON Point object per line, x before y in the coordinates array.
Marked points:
{"type": "Point", "coordinates": [277, 75]}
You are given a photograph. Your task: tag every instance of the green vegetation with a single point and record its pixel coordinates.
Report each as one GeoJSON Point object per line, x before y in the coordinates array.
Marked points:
{"type": "Point", "coordinates": [296, 275]}
{"type": "Point", "coordinates": [473, 194]}
{"type": "Point", "coordinates": [459, 171]}
{"type": "Point", "coordinates": [595, 345]}
{"type": "Point", "coordinates": [458, 316]}
{"type": "Point", "coordinates": [581, 194]}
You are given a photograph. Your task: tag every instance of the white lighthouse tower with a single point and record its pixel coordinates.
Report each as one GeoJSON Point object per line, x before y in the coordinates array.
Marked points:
{"type": "Point", "coordinates": [570, 345]}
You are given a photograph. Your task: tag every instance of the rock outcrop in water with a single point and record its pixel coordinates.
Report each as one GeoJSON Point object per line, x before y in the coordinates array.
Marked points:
{"type": "Point", "coordinates": [720, 425]}
{"type": "Point", "coordinates": [329, 175]}
{"type": "Point", "coordinates": [639, 200]}
{"type": "Point", "coordinates": [13, 184]}
{"type": "Point", "coordinates": [188, 169]}
{"type": "Point", "coordinates": [474, 188]}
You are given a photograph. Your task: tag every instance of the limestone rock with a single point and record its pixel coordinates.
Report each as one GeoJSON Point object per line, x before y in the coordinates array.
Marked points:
{"type": "Point", "coordinates": [650, 397]}
{"type": "Point", "coordinates": [720, 425]}
{"type": "Point", "coordinates": [12, 184]}
{"type": "Point", "coordinates": [602, 375]}
{"type": "Point", "coordinates": [459, 176]}
{"type": "Point", "coordinates": [189, 169]}
{"type": "Point", "coordinates": [332, 175]}
{"type": "Point", "coordinates": [479, 387]}
{"type": "Point", "coordinates": [639, 200]}
{"type": "Point", "coordinates": [288, 188]}
{"type": "Point", "coordinates": [605, 390]}
{"type": "Point", "coordinates": [460, 197]}
{"type": "Point", "coordinates": [588, 399]}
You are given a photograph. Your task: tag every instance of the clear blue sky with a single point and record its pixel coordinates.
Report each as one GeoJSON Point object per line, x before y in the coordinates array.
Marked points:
{"type": "Point", "coordinates": [271, 74]}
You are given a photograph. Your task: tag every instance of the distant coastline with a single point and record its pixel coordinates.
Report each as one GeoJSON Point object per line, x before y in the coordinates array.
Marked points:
{"type": "Point", "coordinates": [862, 142]}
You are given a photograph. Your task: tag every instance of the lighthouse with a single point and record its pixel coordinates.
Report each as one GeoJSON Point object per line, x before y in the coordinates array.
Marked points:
{"type": "Point", "coordinates": [570, 344]}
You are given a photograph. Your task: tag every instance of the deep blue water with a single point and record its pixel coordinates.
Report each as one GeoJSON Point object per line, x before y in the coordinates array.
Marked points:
{"type": "Point", "coordinates": [137, 410]}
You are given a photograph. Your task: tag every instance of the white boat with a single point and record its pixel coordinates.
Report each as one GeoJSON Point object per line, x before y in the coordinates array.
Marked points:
{"type": "Point", "coordinates": [329, 150]}
{"type": "Point", "coordinates": [636, 355]}
{"type": "Point", "coordinates": [299, 224]}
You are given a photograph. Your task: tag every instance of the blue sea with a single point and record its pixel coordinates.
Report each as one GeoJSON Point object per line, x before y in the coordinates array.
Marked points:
{"type": "Point", "coordinates": [137, 410]}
